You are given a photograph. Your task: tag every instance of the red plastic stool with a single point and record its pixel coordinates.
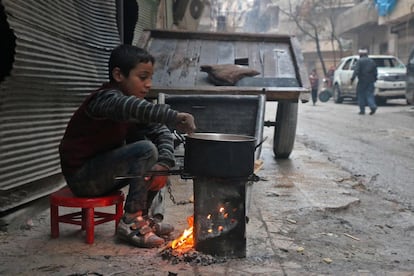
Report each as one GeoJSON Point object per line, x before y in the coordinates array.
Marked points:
{"type": "Point", "coordinates": [88, 217]}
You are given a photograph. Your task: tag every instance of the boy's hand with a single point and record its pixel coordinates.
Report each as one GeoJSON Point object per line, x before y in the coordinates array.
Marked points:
{"type": "Point", "coordinates": [157, 182]}
{"type": "Point", "coordinates": [185, 123]}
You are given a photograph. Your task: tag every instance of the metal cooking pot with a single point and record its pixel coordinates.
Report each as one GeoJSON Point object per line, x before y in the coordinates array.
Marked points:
{"type": "Point", "coordinates": [219, 155]}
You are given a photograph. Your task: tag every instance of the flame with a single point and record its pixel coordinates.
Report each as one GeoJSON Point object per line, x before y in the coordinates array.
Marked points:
{"type": "Point", "coordinates": [185, 241]}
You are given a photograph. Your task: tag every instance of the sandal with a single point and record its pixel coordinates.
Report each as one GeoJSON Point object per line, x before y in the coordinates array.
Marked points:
{"type": "Point", "coordinates": [159, 228]}
{"type": "Point", "coordinates": [138, 233]}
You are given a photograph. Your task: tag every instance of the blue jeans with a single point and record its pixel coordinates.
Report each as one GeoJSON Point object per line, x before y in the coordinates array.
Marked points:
{"type": "Point", "coordinates": [365, 94]}
{"type": "Point", "coordinates": [97, 176]}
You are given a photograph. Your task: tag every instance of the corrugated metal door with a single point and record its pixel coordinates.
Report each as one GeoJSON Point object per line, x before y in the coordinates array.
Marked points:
{"type": "Point", "coordinates": [61, 53]}
{"type": "Point", "coordinates": [147, 17]}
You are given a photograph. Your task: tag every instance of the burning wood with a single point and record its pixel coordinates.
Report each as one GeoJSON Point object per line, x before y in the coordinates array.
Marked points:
{"type": "Point", "coordinates": [183, 243]}
{"type": "Point", "coordinates": [182, 249]}
{"type": "Point", "coordinates": [186, 241]}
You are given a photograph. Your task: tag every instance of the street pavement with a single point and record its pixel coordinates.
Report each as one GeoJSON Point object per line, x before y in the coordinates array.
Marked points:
{"type": "Point", "coordinates": [306, 180]}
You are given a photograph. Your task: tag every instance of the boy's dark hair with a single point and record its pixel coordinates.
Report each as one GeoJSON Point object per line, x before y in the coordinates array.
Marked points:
{"type": "Point", "coordinates": [126, 57]}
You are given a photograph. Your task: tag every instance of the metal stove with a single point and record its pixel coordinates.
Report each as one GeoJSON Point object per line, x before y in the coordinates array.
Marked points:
{"type": "Point", "coordinates": [220, 216]}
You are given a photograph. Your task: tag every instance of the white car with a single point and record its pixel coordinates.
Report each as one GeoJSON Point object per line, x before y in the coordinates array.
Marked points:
{"type": "Point", "coordinates": [389, 85]}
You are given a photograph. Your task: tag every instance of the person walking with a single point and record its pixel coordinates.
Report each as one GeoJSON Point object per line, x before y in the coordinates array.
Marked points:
{"type": "Point", "coordinates": [116, 133]}
{"type": "Point", "coordinates": [314, 81]}
{"type": "Point", "coordinates": [330, 76]}
{"type": "Point", "coordinates": [366, 71]}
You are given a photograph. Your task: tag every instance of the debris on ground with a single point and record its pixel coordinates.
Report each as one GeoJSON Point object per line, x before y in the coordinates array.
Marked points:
{"type": "Point", "coordinates": [191, 257]}
{"type": "Point", "coordinates": [327, 260]}
{"type": "Point", "coordinates": [352, 237]}
{"type": "Point", "coordinates": [300, 249]}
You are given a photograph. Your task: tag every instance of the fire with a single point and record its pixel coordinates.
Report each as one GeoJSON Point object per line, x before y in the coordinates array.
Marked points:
{"type": "Point", "coordinates": [186, 241]}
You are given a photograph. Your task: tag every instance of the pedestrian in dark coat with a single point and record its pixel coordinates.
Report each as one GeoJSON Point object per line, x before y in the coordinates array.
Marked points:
{"type": "Point", "coordinates": [366, 71]}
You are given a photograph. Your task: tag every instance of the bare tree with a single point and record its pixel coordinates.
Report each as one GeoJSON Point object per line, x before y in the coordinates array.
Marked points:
{"type": "Point", "coordinates": [315, 19]}
{"type": "Point", "coordinates": [335, 8]}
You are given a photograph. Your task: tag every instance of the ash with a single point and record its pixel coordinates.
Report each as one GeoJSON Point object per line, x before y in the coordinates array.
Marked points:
{"type": "Point", "coordinates": [191, 257]}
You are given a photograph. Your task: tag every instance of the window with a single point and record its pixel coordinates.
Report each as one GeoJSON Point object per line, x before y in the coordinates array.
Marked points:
{"type": "Point", "coordinates": [127, 17]}
{"type": "Point", "coordinates": [388, 62]}
{"type": "Point", "coordinates": [7, 46]}
{"type": "Point", "coordinates": [347, 65]}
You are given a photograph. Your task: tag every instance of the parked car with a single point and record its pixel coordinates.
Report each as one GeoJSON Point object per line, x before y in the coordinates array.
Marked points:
{"type": "Point", "coordinates": [389, 85]}
{"type": "Point", "coordinates": [409, 89]}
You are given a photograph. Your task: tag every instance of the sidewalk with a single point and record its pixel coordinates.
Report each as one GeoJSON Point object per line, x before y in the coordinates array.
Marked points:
{"type": "Point", "coordinates": [289, 186]}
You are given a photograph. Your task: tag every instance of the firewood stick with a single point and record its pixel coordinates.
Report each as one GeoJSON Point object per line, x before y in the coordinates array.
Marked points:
{"type": "Point", "coordinates": [258, 164]}
{"type": "Point", "coordinates": [168, 245]}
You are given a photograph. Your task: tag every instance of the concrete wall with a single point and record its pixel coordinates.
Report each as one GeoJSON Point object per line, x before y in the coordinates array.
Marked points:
{"type": "Point", "coordinates": [360, 15]}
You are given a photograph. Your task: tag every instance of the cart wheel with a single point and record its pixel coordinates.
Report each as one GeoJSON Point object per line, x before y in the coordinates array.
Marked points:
{"type": "Point", "coordinates": [285, 129]}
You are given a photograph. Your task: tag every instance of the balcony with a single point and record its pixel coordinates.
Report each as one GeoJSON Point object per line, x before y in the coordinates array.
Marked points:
{"type": "Point", "coordinates": [403, 12]}
{"type": "Point", "coordinates": [360, 16]}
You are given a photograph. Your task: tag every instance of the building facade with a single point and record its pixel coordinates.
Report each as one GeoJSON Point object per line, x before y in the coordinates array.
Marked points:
{"type": "Point", "coordinates": [384, 27]}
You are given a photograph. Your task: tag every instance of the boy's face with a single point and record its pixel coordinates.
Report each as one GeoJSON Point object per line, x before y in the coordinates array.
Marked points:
{"type": "Point", "coordinates": [138, 82]}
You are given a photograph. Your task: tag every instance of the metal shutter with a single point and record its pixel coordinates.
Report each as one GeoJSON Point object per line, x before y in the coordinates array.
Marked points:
{"type": "Point", "coordinates": [61, 54]}
{"type": "Point", "coordinates": [147, 17]}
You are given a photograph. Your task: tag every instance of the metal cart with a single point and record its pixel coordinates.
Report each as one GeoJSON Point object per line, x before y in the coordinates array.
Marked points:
{"type": "Point", "coordinates": [278, 58]}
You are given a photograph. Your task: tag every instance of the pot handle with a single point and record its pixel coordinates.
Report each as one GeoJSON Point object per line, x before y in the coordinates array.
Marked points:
{"type": "Point", "coordinates": [180, 137]}
{"type": "Point", "coordinates": [261, 142]}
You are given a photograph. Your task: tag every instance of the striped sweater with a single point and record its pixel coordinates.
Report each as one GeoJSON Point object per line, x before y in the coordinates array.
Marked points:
{"type": "Point", "coordinates": [108, 119]}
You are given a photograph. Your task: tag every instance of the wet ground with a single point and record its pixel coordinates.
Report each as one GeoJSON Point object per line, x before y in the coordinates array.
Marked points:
{"type": "Point", "coordinates": [321, 212]}
{"type": "Point", "coordinates": [378, 147]}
